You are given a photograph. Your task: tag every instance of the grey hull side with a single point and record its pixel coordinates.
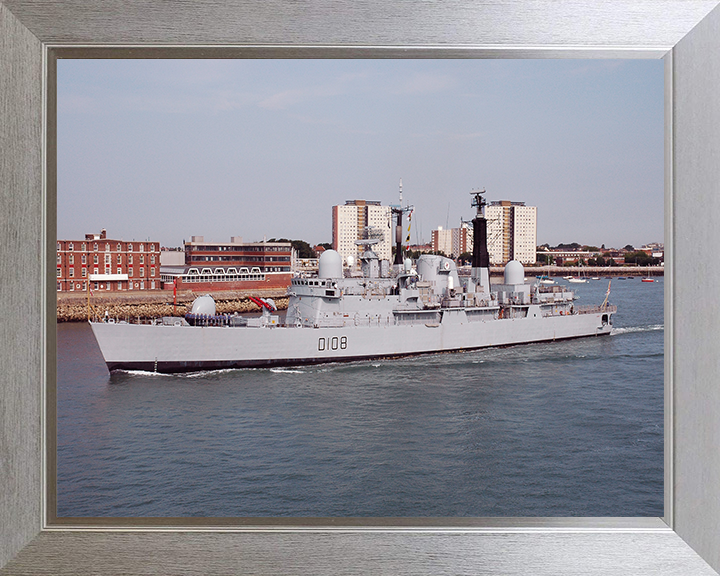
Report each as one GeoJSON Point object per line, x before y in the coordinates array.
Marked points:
{"type": "Point", "coordinates": [172, 349]}
{"type": "Point", "coordinates": [194, 366]}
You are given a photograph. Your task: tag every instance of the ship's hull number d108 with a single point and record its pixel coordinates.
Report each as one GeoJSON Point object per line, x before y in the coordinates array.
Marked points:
{"type": "Point", "coordinates": [332, 343]}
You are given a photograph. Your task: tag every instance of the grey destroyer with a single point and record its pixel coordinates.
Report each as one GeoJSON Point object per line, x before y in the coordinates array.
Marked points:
{"type": "Point", "coordinates": [387, 311]}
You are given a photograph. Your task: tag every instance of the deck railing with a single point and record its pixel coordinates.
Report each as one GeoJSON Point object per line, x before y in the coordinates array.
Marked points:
{"type": "Point", "coordinates": [610, 308]}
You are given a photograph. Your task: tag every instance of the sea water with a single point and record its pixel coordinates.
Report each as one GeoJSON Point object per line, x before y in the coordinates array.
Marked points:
{"type": "Point", "coordinates": [571, 428]}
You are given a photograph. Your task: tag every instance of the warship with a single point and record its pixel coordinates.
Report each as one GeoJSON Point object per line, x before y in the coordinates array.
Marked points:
{"type": "Point", "coordinates": [382, 311]}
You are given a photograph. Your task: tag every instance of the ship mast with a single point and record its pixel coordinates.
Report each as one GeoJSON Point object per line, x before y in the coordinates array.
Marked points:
{"type": "Point", "coordinates": [398, 211]}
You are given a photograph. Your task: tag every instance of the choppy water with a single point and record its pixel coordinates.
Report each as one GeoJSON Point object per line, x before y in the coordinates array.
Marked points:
{"type": "Point", "coordinates": [571, 428]}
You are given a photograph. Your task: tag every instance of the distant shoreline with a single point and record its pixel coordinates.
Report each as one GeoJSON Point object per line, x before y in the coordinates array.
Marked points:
{"type": "Point", "coordinates": [560, 271]}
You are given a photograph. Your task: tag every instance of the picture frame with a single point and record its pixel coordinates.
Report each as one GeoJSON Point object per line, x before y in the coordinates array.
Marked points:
{"type": "Point", "coordinates": [685, 33]}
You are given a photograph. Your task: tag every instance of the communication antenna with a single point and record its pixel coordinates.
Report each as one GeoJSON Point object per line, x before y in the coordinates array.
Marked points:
{"type": "Point", "coordinates": [477, 200]}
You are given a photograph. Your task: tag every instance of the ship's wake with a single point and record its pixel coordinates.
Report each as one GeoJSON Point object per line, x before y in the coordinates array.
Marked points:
{"type": "Point", "coordinates": [634, 329]}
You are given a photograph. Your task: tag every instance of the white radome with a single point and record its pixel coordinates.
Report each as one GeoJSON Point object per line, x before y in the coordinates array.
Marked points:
{"type": "Point", "coordinates": [204, 305]}
{"type": "Point", "coordinates": [514, 273]}
{"type": "Point", "coordinates": [330, 265]}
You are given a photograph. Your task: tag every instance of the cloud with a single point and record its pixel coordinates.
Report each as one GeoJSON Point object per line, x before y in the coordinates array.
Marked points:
{"type": "Point", "coordinates": [424, 83]}
{"type": "Point", "coordinates": [177, 103]}
{"type": "Point", "coordinates": [339, 86]}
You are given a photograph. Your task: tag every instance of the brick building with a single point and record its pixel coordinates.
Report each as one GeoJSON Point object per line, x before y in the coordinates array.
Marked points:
{"type": "Point", "coordinates": [233, 265]}
{"type": "Point", "coordinates": [110, 265]}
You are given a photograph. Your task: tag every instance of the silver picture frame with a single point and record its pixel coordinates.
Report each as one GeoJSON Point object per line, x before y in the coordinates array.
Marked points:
{"type": "Point", "coordinates": [686, 33]}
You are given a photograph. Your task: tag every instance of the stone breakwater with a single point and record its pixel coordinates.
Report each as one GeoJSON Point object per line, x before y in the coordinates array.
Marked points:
{"type": "Point", "coordinates": [76, 310]}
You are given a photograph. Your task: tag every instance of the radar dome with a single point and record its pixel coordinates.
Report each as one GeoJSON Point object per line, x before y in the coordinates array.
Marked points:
{"type": "Point", "coordinates": [514, 273]}
{"type": "Point", "coordinates": [330, 265]}
{"type": "Point", "coordinates": [204, 305]}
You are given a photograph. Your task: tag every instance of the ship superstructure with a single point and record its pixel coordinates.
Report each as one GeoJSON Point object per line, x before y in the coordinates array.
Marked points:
{"type": "Point", "coordinates": [400, 310]}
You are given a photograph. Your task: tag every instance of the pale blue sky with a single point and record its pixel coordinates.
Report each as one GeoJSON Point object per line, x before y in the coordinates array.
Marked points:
{"type": "Point", "coordinates": [167, 149]}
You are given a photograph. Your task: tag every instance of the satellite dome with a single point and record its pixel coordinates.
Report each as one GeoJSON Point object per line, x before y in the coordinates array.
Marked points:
{"type": "Point", "coordinates": [514, 273]}
{"type": "Point", "coordinates": [330, 265]}
{"type": "Point", "coordinates": [204, 305]}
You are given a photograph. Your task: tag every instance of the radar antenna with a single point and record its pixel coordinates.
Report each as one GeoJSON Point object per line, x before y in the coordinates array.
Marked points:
{"type": "Point", "coordinates": [478, 201]}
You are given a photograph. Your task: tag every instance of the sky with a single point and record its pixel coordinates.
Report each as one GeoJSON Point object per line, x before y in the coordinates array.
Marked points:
{"type": "Point", "coordinates": [168, 149]}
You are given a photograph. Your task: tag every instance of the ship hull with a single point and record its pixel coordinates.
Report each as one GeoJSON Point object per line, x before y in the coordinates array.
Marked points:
{"type": "Point", "coordinates": [171, 349]}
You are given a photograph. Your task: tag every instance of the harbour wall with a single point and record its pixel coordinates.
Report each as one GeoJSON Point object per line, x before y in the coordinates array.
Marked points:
{"type": "Point", "coordinates": [74, 307]}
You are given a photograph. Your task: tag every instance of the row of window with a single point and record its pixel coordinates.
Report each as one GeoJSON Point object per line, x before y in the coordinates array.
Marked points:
{"type": "Point", "coordinates": [215, 278]}
{"type": "Point", "coordinates": [240, 258]}
{"type": "Point", "coordinates": [83, 258]}
{"type": "Point", "coordinates": [233, 271]}
{"type": "Point", "coordinates": [243, 248]}
{"type": "Point", "coordinates": [83, 247]}
{"type": "Point", "coordinates": [71, 271]}
{"type": "Point", "coordinates": [104, 286]}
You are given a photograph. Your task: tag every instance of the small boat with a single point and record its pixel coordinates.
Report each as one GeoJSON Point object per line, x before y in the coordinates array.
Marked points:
{"type": "Point", "coordinates": [595, 278]}
{"type": "Point", "coordinates": [545, 280]}
{"type": "Point", "coordinates": [581, 278]}
{"type": "Point", "coordinates": [648, 279]}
